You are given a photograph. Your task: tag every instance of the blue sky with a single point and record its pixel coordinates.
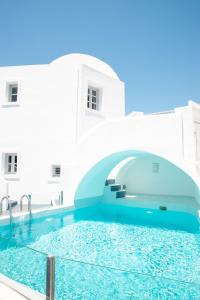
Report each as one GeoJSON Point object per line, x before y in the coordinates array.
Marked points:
{"type": "Point", "coordinates": [153, 45]}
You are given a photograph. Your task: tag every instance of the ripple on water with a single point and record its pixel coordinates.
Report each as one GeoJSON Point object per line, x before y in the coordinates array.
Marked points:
{"type": "Point", "coordinates": [146, 253]}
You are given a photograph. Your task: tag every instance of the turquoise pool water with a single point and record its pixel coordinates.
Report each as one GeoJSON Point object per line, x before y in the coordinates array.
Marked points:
{"type": "Point", "coordinates": [107, 252]}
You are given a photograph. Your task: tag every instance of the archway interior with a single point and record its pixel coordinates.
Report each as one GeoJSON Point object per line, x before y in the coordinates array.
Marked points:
{"type": "Point", "coordinates": [145, 177]}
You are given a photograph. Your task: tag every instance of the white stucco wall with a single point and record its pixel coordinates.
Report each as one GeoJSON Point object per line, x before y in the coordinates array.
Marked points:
{"type": "Point", "coordinates": [111, 99]}
{"type": "Point", "coordinates": [162, 135]}
{"type": "Point", "coordinates": [139, 178]}
{"type": "Point", "coordinates": [50, 117]}
{"type": "Point", "coordinates": [52, 125]}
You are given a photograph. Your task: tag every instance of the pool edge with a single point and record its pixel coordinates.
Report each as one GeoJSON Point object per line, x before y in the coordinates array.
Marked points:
{"type": "Point", "coordinates": [21, 289]}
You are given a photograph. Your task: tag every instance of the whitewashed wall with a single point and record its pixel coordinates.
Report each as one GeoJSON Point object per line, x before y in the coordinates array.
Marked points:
{"type": "Point", "coordinates": [139, 177]}
{"type": "Point", "coordinates": [169, 136]}
{"type": "Point", "coordinates": [52, 125]}
{"type": "Point", "coordinates": [44, 127]}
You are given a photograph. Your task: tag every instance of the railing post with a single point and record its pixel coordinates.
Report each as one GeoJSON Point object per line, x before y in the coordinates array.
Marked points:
{"type": "Point", "coordinates": [21, 205]}
{"type": "Point", "coordinates": [29, 204]}
{"type": "Point", "coordinates": [50, 278]}
{"type": "Point", "coordinates": [61, 197]}
{"type": "Point", "coordinates": [10, 212]}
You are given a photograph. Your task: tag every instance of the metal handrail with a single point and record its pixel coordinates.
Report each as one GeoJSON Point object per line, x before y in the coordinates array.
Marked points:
{"type": "Point", "coordinates": [58, 201]}
{"type": "Point", "coordinates": [9, 206]}
{"type": "Point", "coordinates": [1, 204]}
{"type": "Point", "coordinates": [28, 197]}
{"type": "Point", "coordinates": [61, 198]}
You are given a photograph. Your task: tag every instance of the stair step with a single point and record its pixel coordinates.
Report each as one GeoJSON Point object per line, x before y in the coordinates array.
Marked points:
{"type": "Point", "coordinates": [120, 194]}
{"type": "Point", "coordinates": [110, 181]}
{"type": "Point", "coordinates": [115, 187]}
{"type": "Point", "coordinates": [11, 203]}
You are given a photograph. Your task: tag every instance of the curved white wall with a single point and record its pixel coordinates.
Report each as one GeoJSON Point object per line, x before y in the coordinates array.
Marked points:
{"type": "Point", "coordinates": [139, 178]}
{"type": "Point", "coordinates": [159, 135]}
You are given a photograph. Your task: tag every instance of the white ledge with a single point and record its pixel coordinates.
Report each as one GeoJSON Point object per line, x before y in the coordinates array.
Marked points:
{"type": "Point", "coordinates": [57, 181]}
{"type": "Point", "coordinates": [95, 113]}
{"type": "Point", "coordinates": [5, 105]}
{"type": "Point", "coordinates": [11, 177]}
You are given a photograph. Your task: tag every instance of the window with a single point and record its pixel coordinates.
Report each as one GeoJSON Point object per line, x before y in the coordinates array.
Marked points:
{"type": "Point", "coordinates": [10, 163]}
{"type": "Point", "coordinates": [93, 98]}
{"type": "Point", "coordinates": [56, 170]}
{"type": "Point", "coordinates": [155, 167]}
{"type": "Point", "coordinates": [12, 93]}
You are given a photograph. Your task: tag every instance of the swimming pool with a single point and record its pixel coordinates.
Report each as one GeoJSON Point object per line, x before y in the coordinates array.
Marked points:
{"type": "Point", "coordinates": [107, 252]}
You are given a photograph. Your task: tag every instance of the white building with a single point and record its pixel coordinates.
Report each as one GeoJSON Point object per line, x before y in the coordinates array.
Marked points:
{"type": "Point", "coordinates": [63, 127]}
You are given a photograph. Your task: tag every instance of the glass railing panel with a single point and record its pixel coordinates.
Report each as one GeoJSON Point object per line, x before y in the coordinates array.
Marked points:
{"type": "Point", "coordinates": [77, 280]}
{"type": "Point", "coordinates": [23, 264]}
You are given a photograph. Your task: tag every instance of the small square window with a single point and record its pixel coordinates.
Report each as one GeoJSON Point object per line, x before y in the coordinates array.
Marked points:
{"type": "Point", "coordinates": [10, 163]}
{"type": "Point", "coordinates": [12, 93]}
{"type": "Point", "coordinates": [155, 167]}
{"type": "Point", "coordinates": [93, 98]}
{"type": "Point", "coordinates": [56, 170]}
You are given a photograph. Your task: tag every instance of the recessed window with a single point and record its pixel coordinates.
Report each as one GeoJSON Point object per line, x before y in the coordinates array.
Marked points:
{"type": "Point", "coordinates": [155, 167]}
{"type": "Point", "coordinates": [93, 98]}
{"type": "Point", "coordinates": [13, 93]}
{"type": "Point", "coordinates": [10, 163]}
{"type": "Point", "coordinates": [56, 170]}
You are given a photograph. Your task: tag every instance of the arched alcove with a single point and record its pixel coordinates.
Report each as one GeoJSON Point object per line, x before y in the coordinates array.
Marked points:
{"type": "Point", "coordinates": [146, 174]}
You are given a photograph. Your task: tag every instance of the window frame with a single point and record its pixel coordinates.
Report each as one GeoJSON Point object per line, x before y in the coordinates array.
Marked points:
{"type": "Point", "coordinates": [93, 104]}
{"type": "Point", "coordinates": [7, 98]}
{"type": "Point", "coordinates": [13, 164]}
{"type": "Point", "coordinates": [12, 94]}
{"type": "Point", "coordinates": [53, 171]}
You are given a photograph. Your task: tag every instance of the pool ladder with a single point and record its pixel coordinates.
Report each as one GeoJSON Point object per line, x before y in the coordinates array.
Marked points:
{"type": "Point", "coordinates": [9, 205]}
{"type": "Point", "coordinates": [58, 201]}
{"type": "Point", "coordinates": [28, 197]}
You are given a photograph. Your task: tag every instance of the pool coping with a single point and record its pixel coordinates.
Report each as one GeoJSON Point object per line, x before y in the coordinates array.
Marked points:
{"type": "Point", "coordinates": [21, 289]}
{"type": "Point", "coordinates": [41, 212]}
